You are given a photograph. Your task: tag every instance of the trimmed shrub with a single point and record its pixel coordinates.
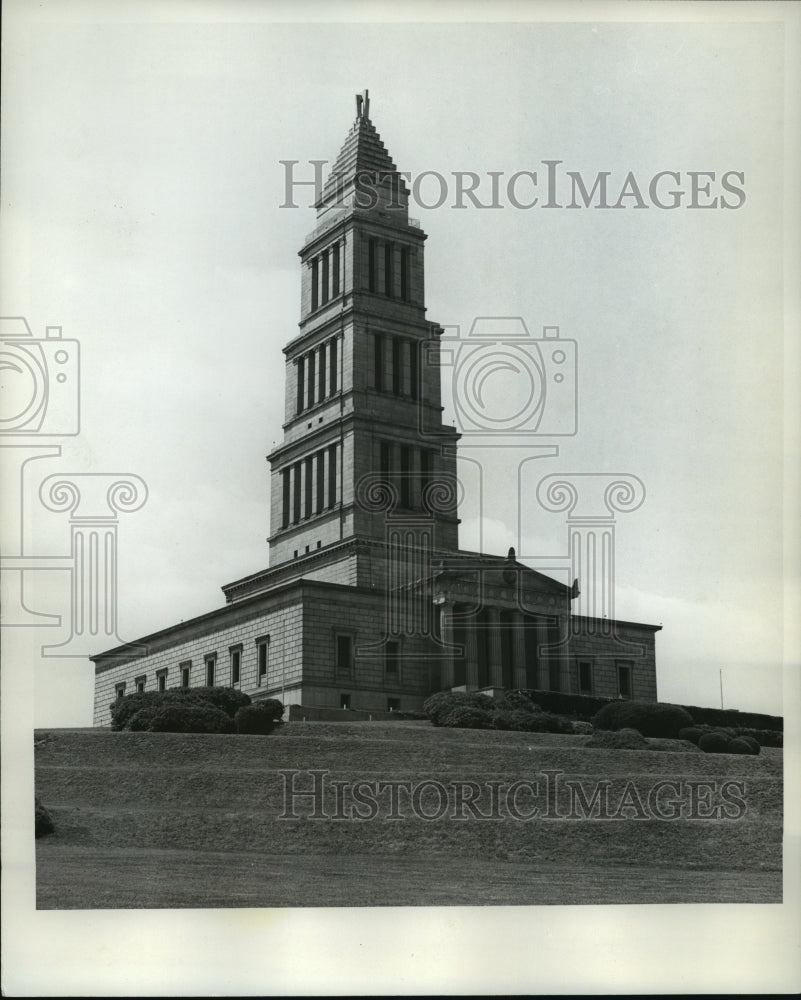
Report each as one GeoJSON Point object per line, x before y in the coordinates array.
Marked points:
{"type": "Point", "coordinates": [467, 717]}
{"type": "Point", "coordinates": [673, 746]}
{"type": "Point", "coordinates": [514, 701]}
{"type": "Point", "coordinates": [719, 718]}
{"type": "Point", "coordinates": [715, 742]}
{"type": "Point", "coordinates": [529, 722]}
{"type": "Point", "coordinates": [744, 745]}
{"type": "Point", "coordinates": [581, 728]}
{"type": "Point", "coordinates": [439, 705]}
{"type": "Point", "coordinates": [43, 823]}
{"type": "Point", "coordinates": [576, 706]}
{"type": "Point", "coordinates": [123, 710]}
{"type": "Point", "coordinates": [649, 718]}
{"type": "Point", "coordinates": [691, 733]}
{"type": "Point", "coordinates": [273, 707]}
{"type": "Point", "coordinates": [141, 721]}
{"type": "Point", "coordinates": [189, 716]}
{"type": "Point", "coordinates": [620, 739]}
{"type": "Point", "coordinates": [259, 719]}
{"type": "Point", "coordinates": [754, 744]}
{"type": "Point", "coordinates": [227, 700]}
{"type": "Point", "coordinates": [764, 737]}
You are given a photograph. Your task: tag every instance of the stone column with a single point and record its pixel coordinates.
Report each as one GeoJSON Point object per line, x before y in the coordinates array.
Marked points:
{"type": "Point", "coordinates": [446, 637]}
{"type": "Point", "coordinates": [495, 648]}
{"type": "Point", "coordinates": [543, 655]}
{"type": "Point", "coordinates": [519, 650]}
{"type": "Point", "coordinates": [471, 655]}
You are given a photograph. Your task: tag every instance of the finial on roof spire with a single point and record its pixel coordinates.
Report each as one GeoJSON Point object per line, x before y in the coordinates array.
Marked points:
{"type": "Point", "coordinates": [363, 104]}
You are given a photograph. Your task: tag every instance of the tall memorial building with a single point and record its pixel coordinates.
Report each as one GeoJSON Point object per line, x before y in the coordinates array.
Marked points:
{"type": "Point", "coordinates": [368, 602]}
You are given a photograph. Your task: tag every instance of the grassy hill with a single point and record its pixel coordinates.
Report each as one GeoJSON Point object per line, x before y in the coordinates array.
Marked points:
{"type": "Point", "coordinates": [167, 820]}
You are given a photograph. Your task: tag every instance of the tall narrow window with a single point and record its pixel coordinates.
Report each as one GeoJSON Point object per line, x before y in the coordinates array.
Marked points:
{"type": "Point", "coordinates": [344, 654]}
{"type": "Point", "coordinates": [300, 368]}
{"type": "Point", "coordinates": [385, 464]}
{"type": "Point", "coordinates": [585, 677]}
{"type": "Point", "coordinates": [307, 487]}
{"type": "Point", "coordinates": [320, 498]}
{"type": "Point", "coordinates": [210, 662]}
{"type": "Point", "coordinates": [140, 685]}
{"type": "Point", "coordinates": [388, 283]}
{"type": "Point", "coordinates": [296, 492]}
{"type": "Point", "coordinates": [332, 475]}
{"type": "Point", "coordinates": [262, 656]}
{"type": "Point", "coordinates": [236, 665]}
{"type": "Point", "coordinates": [161, 680]}
{"type": "Point", "coordinates": [310, 366]}
{"type": "Point", "coordinates": [321, 372]}
{"type": "Point", "coordinates": [315, 278]}
{"type": "Point", "coordinates": [391, 658]}
{"type": "Point", "coordinates": [371, 250]}
{"type": "Point", "coordinates": [405, 492]}
{"type": "Point", "coordinates": [404, 273]}
{"type": "Point", "coordinates": [624, 679]}
{"type": "Point", "coordinates": [335, 270]}
{"type": "Point", "coordinates": [396, 365]}
{"type": "Point", "coordinates": [119, 690]}
{"type": "Point", "coordinates": [414, 369]}
{"type": "Point", "coordinates": [325, 276]}
{"type": "Point", "coordinates": [378, 341]}
{"type": "Point", "coordinates": [332, 365]}
{"type": "Point", "coordinates": [425, 473]}
{"type": "Point", "coordinates": [285, 487]}
{"type": "Point", "coordinates": [186, 669]}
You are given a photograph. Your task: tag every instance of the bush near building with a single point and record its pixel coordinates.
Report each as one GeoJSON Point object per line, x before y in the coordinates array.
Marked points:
{"type": "Point", "coordinates": [227, 700]}
{"type": "Point", "coordinates": [43, 823]}
{"type": "Point", "coordinates": [512, 710]}
{"type": "Point", "coordinates": [649, 718]}
{"type": "Point", "coordinates": [620, 739]}
{"type": "Point", "coordinates": [184, 715]}
{"type": "Point", "coordinates": [259, 719]}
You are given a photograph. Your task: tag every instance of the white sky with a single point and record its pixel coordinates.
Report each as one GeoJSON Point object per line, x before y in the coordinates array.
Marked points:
{"type": "Point", "coordinates": [143, 196]}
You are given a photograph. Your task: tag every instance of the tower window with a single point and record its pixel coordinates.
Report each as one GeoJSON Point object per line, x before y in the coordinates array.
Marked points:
{"type": "Point", "coordinates": [285, 498]}
{"type": "Point", "coordinates": [378, 341]}
{"type": "Point", "coordinates": [371, 250]}
{"type": "Point", "coordinates": [301, 382]}
{"type": "Point", "coordinates": [332, 475]}
{"type": "Point", "coordinates": [296, 492]}
{"type": "Point", "coordinates": [307, 487]}
{"type": "Point", "coordinates": [320, 498]}
{"type": "Point", "coordinates": [388, 283]}
{"type": "Point", "coordinates": [325, 276]}
{"type": "Point", "coordinates": [396, 366]}
{"type": "Point", "coordinates": [315, 278]}
{"type": "Point", "coordinates": [321, 373]}
{"type": "Point", "coordinates": [310, 366]}
{"type": "Point", "coordinates": [404, 273]}
{"type": "Point", "coordinates": [414, 369]}
{"type": "Point", "coordinates": [405, 492]}
{"type": "Point", "coordinates": [332, 365]}
{"type": "Point", "coordinates": [335, 270]}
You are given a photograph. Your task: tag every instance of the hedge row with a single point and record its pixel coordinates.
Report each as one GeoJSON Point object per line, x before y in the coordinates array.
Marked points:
{"type": "Point", "coordinates": [196, 710]}
{"type": "Point", "coordinates": [582, 706]}
{"type": "Point", "coordinates": [512, 710]}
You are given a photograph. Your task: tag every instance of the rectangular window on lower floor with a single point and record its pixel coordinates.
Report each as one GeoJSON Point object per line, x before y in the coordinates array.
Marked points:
{"type": "Point", "coordinates": [140, 684]}
{"type": "Point", "coordinates": [186, 669]}
{"type": "Point", "coordinates": [393, 704]}
{"type": "Point", "coordinates": [119, 690]}
{"type": "Point", "coordinates": [161, 680]}
{"type": "Point", "coordinates": [211, 662]}
{"type": "Point", "coordinates": [236, 664]}
{"type": "Point", "coordinates": [344, 654]}
{"type": "Point", "coordinates": [585, 677]}
{"type": "Point", "coordinates": [392, 660]}
{"type": "Point", "coordinates": [624, 679]}
{"type": "Point", "coordinates": [344, 701]}
{"type": "Point", "coordinates": [262, 656]}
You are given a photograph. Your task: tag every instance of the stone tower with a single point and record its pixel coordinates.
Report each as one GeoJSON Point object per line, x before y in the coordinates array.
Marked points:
{"type": "Point", "coordinates": [359, 382]}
